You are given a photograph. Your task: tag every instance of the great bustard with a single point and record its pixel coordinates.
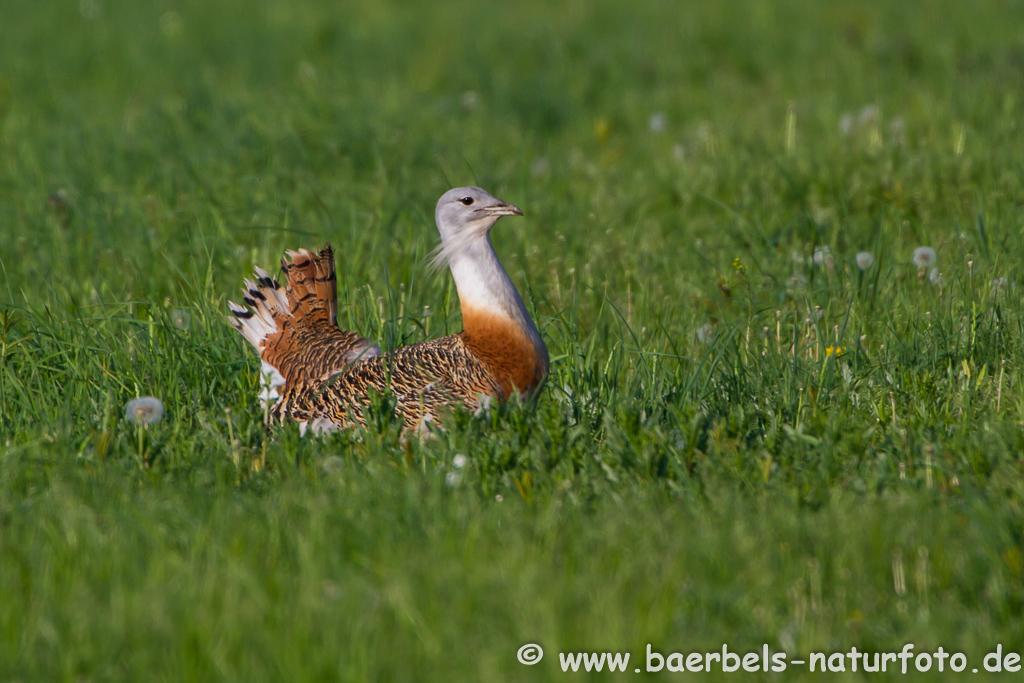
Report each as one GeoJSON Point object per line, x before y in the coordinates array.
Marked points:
{"type": "Point", "coordinates": [324, 377]}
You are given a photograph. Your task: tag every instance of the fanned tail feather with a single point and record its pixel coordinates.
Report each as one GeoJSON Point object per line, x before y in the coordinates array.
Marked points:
{"type": "Point", "coordinates": [294, 330]}
{"type": "Point", "coordinates": [312, 284]}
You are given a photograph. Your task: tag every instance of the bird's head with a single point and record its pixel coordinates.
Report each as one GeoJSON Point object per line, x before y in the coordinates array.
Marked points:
{"type": "Point", "coordinates": [468, 211]}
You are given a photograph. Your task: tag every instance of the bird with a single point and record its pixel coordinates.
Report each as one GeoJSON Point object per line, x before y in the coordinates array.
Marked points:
{"type": "Point", "coordinates": [324, 378]}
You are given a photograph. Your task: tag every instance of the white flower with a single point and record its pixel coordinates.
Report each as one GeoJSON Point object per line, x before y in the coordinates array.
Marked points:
{"type": "Point", "coordinates": [306, 73]}
{"type": "Point", "coordinates": [867, 115]}
{"type": "Point", "coordinates": [499, 498]}
{"type": "Point", "coordinates": [459, 461]}
{"type": "Point", "coordinates": [898, 129]}
{"type": "Point", "coordinates": [332, 464]}
{"type": "Point", "coordinates": [936, 277]}
{"type": "Point", "coordinates": [144, 411]}
{"type": "Point", "coordinates": [181, 318]}
{"type": "Point", "coordinates": [865, 260]}
{"type": "Point", "coordinates": [924, 257]}
{"type": "Point", "coordinates": [657, 122]}
{"type": "Point", "coordinates": [469, 100]}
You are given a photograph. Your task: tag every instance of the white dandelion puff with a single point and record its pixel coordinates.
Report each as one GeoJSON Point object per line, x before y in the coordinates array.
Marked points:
{"type": "Point", "coordinates": [452, 479]}
{"type": "Point", "coordinates": [846, 124]}
{"type": "Point", "coordinates": [868, 115]}
{"type": "Point", "coordinates": [796, 282]}
{"type": "Point", "coordinates": [898, 130]}
{"type": "Point", "coordinates": [459, 461]}
{"type": "Point", "coordinates": [145, 411]}
{"type": "Point", "coordinates": [924, 257]}
{"type": "Point", "coordinates": [469, 100]}
{"type": "Point", "coordinates": [936, 277]}
{"type": "Point", "coordinates": [182, 319]}
{"type": "Point", "coordinates": [823, 257]}
{"type": "Point", "coordinates": [705, 333]}
{"type": "Point", "coordinates": [657, 122]}
{"type": "Point", "coordinates": [865, 260]}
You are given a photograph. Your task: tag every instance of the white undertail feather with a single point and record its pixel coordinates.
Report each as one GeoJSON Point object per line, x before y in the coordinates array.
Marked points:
{"type": "Point", "coordinates": [263, 302]}
{"type": "Point", "coordinates": [270, 380]}
{"type": "Point", "coordinates": [277, 292]}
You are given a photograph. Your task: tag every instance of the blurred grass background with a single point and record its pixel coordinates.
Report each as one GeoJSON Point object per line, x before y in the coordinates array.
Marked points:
{"type": "Point", "coordinates": [746, 438]}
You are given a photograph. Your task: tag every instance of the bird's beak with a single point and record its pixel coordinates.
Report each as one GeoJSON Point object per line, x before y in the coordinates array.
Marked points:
{"type": "Point", "coordinates": [502, 209]}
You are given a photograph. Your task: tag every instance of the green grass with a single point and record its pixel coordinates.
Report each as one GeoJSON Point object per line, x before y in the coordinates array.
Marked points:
{"type": "Point", "coordinates": [702, 468]}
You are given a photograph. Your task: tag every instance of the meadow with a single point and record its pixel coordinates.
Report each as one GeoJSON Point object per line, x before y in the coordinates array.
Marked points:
{"type": "Point", "coordinates": [774, 248]}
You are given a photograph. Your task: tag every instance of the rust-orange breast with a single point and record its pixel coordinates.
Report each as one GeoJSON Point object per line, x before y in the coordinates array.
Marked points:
{"type": "Point", "coordinates": [506, 348]}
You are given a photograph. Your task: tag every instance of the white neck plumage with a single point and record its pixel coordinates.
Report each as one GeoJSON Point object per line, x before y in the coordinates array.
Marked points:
{"type": "Point", "coordinates": [484, 286]}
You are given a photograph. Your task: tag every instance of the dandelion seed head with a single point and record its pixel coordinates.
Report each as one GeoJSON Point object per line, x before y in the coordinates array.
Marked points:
{"type": "Point", "coordinates": [868, 114]}
{"type": "Point", "coordinates": [865, 260]}
{"type": "Point", "coordinates": [705, 333]}
{"type": "Point", "coordinates": [846, 124]}
{"type": "Point", "coordinates": [146, 410]}
{"type": "Point", "coordinates": [451, 479]}
{"type": "Point", "coordinates": [657, 122]}
{"type": "Point", "coordinates": [936, 277]}
{"type": "Point", "coordinates": [469, 100]}
{"type": "Point", "coordinates": [182, 319]}
{"type": "Point", "coordinates": [332, 464]}
{"type": "Point", "coordinates": [459, 461]}
{"type": "Point", "coordinates": [898, 129]}
{"type": "Point", "coordinates": [924, 257]}
{"type": "Point", "coordinates": [823, 257]}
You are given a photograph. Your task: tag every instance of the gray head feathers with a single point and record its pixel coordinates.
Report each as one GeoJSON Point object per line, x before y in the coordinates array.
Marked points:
{"type": "Point", "coordinates": [464, 216]}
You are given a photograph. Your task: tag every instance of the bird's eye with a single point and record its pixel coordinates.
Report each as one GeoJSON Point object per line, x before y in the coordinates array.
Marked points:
{"type": "Point", "coordinates": [466, 201]}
